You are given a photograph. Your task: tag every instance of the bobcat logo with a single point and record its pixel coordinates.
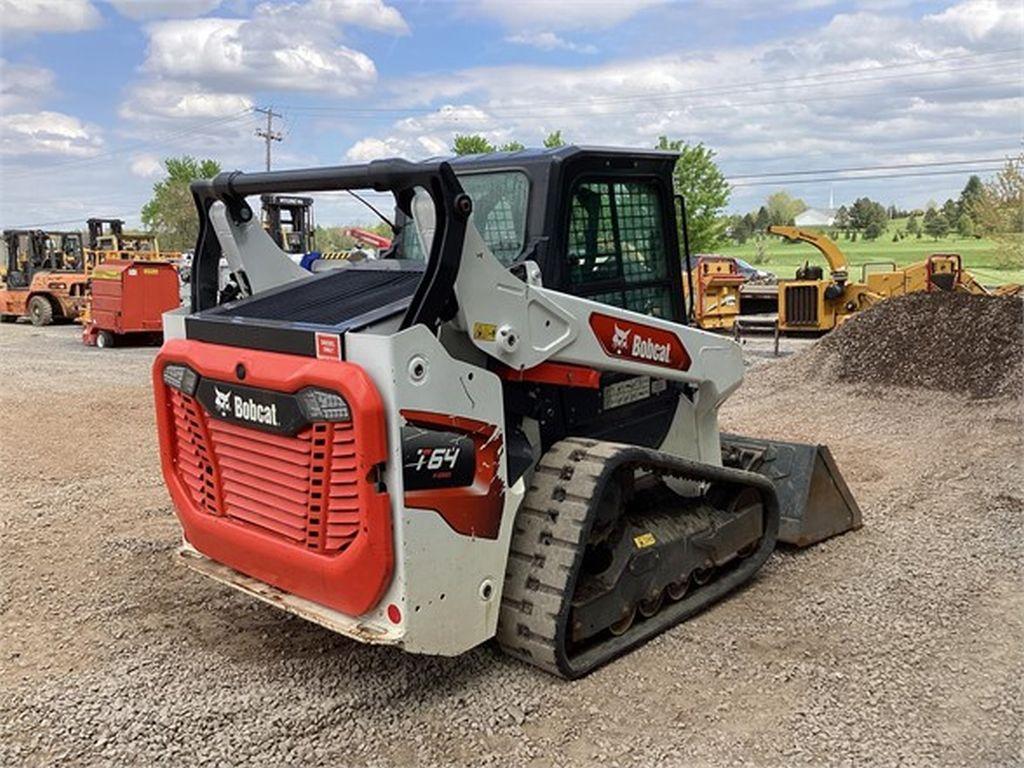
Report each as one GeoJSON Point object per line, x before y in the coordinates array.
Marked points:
{"type": "Point", "coordinates": [620, 340]}
{"type": "Point", "coordinates": [222, 401]}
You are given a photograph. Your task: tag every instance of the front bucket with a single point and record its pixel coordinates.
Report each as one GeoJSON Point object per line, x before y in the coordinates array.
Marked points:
{"type": "Point", "coordinates": [814, 500]}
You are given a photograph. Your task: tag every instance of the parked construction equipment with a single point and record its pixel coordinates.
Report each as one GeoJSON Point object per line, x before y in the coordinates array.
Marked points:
{"type": "Point", "coordinates": [289, 221]}
{"type": "Point", "coordinates": [39, 280]}
{"type": "Point", "coordinates": [717, 282]}
{"type": "Point", "coordinates": [814, 302]}
{"type": "Point", "coordinates": [127, 298]}
{"type": "Point", "coordinates": [107, 240]}
{"type": "Point", "coordinates": [503, 428]}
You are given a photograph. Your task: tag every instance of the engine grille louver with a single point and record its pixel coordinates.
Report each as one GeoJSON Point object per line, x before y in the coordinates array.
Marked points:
{"type": "Point", "coordinates": [302, 489]}
{"type": "Point", "coordinates": [802, 305]}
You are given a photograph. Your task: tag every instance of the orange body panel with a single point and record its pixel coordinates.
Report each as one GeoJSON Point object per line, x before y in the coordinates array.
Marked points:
{"type": "Point", "coordinates": [302, 513]}
{"type": "Point", "coordinates": [66, 289]}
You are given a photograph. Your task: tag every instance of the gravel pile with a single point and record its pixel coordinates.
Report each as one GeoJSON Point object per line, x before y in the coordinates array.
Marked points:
{"type": "Point", "coordinates": [955, 342]}
{"type": "Point", "coordinates": [898, 644]}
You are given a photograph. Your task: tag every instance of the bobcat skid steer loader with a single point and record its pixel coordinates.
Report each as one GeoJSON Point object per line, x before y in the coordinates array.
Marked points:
{"type": "Point", "coordinates": [502, 428]}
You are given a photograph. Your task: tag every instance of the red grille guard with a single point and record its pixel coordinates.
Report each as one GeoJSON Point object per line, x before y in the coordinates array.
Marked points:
{"type": "Point", "coordinates": [300, 512]}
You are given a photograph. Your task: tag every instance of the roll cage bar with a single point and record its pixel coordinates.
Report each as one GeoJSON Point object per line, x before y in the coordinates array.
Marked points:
{"type": "Point", "coordinates": [433, 301]}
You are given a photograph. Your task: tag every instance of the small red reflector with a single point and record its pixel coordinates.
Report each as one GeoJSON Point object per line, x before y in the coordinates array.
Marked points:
{"type": "Point", "coordinates": [394, 614]}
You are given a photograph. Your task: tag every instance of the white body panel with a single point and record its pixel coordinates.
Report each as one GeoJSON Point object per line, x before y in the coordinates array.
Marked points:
{"type": "Point", "coordinates": [439, 574]}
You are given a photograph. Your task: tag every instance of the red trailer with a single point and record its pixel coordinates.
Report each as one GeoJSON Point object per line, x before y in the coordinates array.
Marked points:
{"type": "Point", "coordinates": [128, 297]}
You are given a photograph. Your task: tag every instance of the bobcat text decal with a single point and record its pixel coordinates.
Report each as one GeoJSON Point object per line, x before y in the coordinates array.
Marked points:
{"type": "Point", "coordinates": [245, 408]}
{"type": "Point", "coordinates": [636, 341]}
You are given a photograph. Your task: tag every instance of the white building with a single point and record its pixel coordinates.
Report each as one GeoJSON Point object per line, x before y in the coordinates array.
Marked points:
{"type": "Point", "coordinates": [816, 217]}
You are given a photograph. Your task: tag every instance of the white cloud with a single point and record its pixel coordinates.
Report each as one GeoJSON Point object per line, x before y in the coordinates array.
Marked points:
{"type": "Point", "coordinates": [47, 133]}
{"type": "Point", "coordinates": [422, 146]}
{"type": "Point", "coordinates": [147, 166]}
{"type": "Point", "coordinates": [548, 41]}
{"type": "Point", "coordinates": [164, 9]}
{"type": "Point", "coordinates": [22, 85]}
{"type": "Point", "coordinates": [840, 94]}
{"type": "Point", "coordinates": [371, 14]}
{"type": "Point", "coordinates": [981, 20]}
{"type": "Point", "coordinates": [158, 100]}
{"type": "Point", "coordinates": [264, 53]}
{"type": "Point", "coordinates": [575, 14]}
{"type": "Point", "coordinates": [47, 15]}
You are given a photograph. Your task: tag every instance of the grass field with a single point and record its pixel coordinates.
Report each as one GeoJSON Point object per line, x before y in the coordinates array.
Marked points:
{"type": "Point", "coordinates": [979, 255]}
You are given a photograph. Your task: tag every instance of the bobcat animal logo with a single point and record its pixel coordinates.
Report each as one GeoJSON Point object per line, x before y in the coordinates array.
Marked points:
{"type": "Point", "coordinates": [222, 401]}
{"type": "Point", "coordinates": [620, 339]}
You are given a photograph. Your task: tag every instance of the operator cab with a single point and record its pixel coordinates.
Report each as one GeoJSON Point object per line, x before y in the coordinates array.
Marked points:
{"type": "Point", "coordinates": [599, 223]}
{"type": "Point", "coordinates": [25, 254]}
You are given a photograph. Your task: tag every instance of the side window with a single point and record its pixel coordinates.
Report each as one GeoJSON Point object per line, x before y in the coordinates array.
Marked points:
{"type": "Point", "coordinates": [616, 246]}
{"type": "Point", "coordinates": [499, 211]}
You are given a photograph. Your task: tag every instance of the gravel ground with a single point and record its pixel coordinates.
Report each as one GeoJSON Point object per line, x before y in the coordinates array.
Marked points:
{"type": "Point", "coordinates": [956, 342]}
{"type": "Point", "coordinates": [897, 644]}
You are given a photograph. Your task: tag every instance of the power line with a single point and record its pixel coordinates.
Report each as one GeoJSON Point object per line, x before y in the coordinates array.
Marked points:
{"type": "Point", "coordinates": [269, 135]}
{"type": "Point", "coordinates": [41, 225]}
{"type": "Point", "coordinates": [757, 86]}
{"type": "Point", "coordinates": [960, 171]}
{"type": "Point", "coordinates": [492, 117]}
{"type": "Point", "coordinates": [867, 168]}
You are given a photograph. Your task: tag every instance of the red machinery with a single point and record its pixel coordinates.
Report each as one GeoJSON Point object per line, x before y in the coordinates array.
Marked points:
{"type": "Point", "coordinates": [366, 237]}
{"type": "Point", "coordinates": [128, 298]}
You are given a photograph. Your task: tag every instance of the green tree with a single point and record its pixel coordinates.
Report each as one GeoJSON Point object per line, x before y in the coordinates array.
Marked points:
{"type": "Point", "coordinates": [704, 189]}
{"type": "Point", "coordinates": [171, 213]}
{"type": "Point", "coordinates": [554, 140]}
{"type": "Point", "coordinates": [783, 207]}
{"type": "Point", "coordinates": [762, 220]}
{"type": "Point", "coordinates": [471, 144]}
{"type": "Point", "coordinates": [951, 211]}
{"type": "Point", "coordinates": [332, 239]}
{"type": "Point", "coordinates": [867, 215]}
{"type": "Point", "coordinates": [842, 218]}
{"type": "Point", "coordinates": [512, 146]}
{"type": "Point", "coordinates": [936, 224]}
{"type": "Point", "coordinates": [965, 226]}
{"type": "Point", "coordinates": [999, 213]}
{"type": "Point", "coordinates": [874, 229]}
{"type": "Point", "coordinates": [914, 225]}
{"type": "Point", "coordinates": [970, 195]}
{"type": "Point", "coordinates": [742, 228]}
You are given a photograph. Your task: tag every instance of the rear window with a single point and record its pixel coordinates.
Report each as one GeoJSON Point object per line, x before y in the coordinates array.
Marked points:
{"type": "Point", "coordinates": [499, 212]}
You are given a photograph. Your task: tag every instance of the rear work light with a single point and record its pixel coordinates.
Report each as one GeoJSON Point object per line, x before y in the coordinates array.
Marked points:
{"type": "Point", "coordinates": [181, 378]}
{"type": "Point", "coordinates": [323, 405]}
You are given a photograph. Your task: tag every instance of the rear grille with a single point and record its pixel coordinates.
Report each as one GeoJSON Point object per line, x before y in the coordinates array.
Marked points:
{"type": "Point", "coordinates": [302, 489]}
{"type": "Point", "coordinates": [801, 305]}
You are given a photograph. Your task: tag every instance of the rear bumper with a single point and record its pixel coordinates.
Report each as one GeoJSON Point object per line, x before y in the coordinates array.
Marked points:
{"type": "Point", "coordinates": [257, 504]}
{"type": "Point", "coordinates": [357, 629]}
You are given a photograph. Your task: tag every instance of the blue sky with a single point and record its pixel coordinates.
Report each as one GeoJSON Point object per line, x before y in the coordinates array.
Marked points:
{"type": "Point", "coordinates": [95, 92]}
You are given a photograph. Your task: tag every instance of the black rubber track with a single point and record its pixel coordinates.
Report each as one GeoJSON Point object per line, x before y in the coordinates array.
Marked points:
{"type": "Point", "coordinates": [551, 530]}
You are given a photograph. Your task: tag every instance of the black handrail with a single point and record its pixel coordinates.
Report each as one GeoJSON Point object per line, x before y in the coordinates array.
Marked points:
{"type": "Point", "coordinates": [433, 300]}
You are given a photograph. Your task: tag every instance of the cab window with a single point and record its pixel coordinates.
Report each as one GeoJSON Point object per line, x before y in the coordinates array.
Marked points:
{"type": "Point", "coordinates": [499, 213]}
{"type": "Point", "coordinates": [616, 246]}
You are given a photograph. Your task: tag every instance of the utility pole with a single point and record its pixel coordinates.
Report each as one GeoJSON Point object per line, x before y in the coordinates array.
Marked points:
{"type": "Point", "coordinates": [269, 134]}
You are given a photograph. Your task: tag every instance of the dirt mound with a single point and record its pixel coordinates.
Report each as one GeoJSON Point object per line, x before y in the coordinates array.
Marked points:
{"type": "Point", "coordinates": [954, 342]}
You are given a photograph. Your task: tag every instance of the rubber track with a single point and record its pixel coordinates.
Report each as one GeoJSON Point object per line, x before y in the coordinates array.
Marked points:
{"type": "Point", "coordinates": [549, 536]}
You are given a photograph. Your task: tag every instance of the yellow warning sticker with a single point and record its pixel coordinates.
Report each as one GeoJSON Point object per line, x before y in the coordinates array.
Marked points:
{"type": "Point", "coordinates": [484, 331]}
{"type": "Point", "coordinates": [644, 540]}
{"type": "Point", "coordinates": [151, 271]}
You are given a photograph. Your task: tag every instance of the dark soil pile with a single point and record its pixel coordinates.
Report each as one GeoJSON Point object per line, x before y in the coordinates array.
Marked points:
{"type": "Point", "coordinates": [954, 342]}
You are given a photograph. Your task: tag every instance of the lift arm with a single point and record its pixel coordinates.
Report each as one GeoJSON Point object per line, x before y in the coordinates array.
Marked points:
{"type": "Point", "coordinates": [835, 258]}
